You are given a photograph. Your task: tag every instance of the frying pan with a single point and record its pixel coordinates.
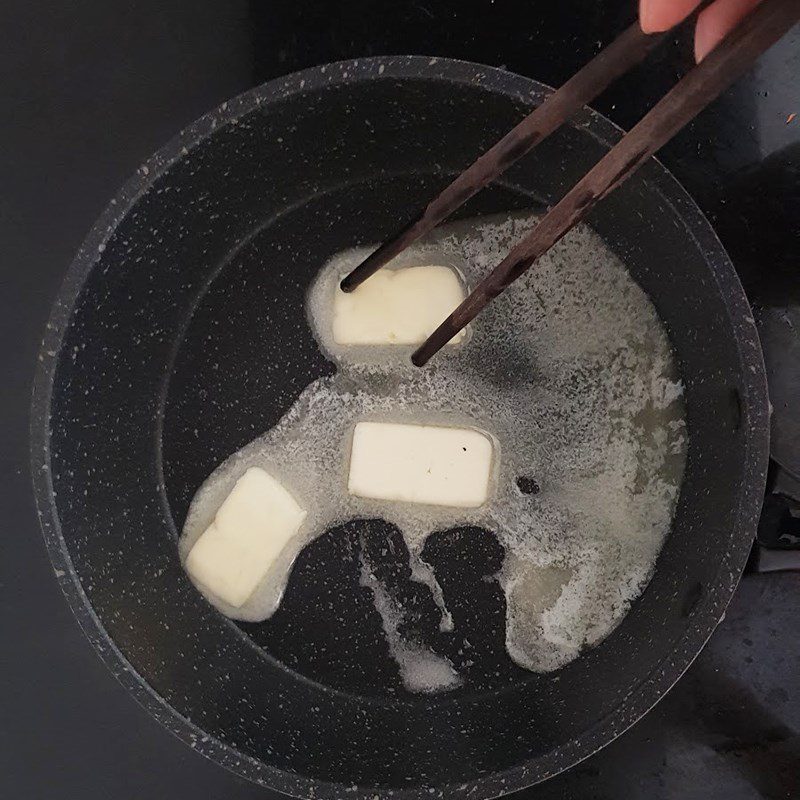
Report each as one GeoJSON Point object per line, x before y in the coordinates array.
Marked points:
{"type": "Point", "coordinates": [179, 335]}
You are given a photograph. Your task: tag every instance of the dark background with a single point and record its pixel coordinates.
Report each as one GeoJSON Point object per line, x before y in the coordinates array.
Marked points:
{"type": "Point", "coordinates": [90, 89]}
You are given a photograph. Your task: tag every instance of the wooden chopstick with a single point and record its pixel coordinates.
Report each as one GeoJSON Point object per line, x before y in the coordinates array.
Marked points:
{"type": "Point", "coordinates": [767, 23]}
{"type": "Point", "coordinates": [627, 50]}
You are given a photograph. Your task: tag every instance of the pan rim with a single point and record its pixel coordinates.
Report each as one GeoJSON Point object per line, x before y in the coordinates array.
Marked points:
{"type": "Point", "coordinates": [641, 698]}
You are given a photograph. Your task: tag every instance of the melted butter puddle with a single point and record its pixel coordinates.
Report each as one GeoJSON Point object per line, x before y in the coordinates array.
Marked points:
{"type": "Point", "coordinates": [571, 372]}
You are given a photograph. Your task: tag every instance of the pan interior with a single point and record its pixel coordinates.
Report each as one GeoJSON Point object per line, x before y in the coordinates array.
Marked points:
{"type": "Point", "coordinates": [570, 371]}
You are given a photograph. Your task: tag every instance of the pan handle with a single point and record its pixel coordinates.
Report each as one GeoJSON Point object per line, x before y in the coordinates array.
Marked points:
{"type": "Point", "coordinates": [777, 545]}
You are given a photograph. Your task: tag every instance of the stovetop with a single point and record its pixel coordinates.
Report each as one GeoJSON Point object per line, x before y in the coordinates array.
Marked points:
{"type": "Point", "coordinates": [92, 88]}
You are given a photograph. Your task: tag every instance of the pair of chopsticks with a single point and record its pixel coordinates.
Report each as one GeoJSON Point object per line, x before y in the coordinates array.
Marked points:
{"type": "Point", "coordinates": [767, 23]}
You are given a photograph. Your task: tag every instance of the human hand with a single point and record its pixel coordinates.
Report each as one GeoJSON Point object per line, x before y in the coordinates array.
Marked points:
{"type": "Point", "coordinates": [713, 23]}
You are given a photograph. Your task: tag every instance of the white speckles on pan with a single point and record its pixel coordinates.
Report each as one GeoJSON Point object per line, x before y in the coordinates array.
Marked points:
{"type": "Point", "coordinates": [571, 372]}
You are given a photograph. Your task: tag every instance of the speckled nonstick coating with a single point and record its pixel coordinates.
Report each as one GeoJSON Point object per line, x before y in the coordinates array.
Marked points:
{"type": "Point", "coordinates": [179, 334]}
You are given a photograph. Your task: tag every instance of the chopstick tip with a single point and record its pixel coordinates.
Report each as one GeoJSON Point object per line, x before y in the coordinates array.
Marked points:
{"type": "Point", "coordinates": [419, 358]}
{"type": "Point", "coordinates": [364, 270]}
{"type": "Point", "coordinates": [347, 284]}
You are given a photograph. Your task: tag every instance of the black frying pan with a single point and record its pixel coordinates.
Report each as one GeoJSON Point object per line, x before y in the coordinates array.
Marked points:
{"type": "Point", "coordinates": [180, 334]}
